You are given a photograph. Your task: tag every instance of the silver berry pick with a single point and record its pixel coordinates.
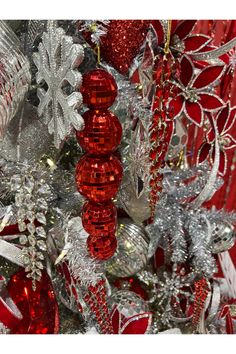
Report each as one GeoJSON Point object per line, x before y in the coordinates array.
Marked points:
{"type": "Point", "coordinates": [57, 61]}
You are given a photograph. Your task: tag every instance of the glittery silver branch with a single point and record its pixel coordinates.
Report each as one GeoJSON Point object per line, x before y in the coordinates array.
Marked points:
{"type": "Point", "coordinates": [179, 222]}
{"type": "Point", "coordinates": [82, 266]}
{"type": "Point", "coordinates": [57, 61]}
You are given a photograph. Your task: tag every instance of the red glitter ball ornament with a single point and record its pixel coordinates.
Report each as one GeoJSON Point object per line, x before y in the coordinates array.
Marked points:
{"type": "Point", "coordinates": [99, 219]}
{"type": "Point", "coordinates": [122, 42]}
{"type": "Point", "coordinates": [103, 247]}
{"type": "Point", "coordinates": [101, 134]}
{"type": "Point", "coordinates": [39, 308]}
{"type": "Point", "coordinates": [98, 179]}
{"type": "Point", "coordinates": [99, 89]}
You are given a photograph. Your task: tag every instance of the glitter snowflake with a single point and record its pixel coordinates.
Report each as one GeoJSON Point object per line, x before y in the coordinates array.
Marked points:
{"type": "Point", "coordinates": [57, 60]}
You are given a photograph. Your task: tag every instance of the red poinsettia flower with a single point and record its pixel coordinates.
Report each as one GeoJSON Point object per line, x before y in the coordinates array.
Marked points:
{"type": "Point", "coordinates": [137, 324]}
{"type": "Point", "coordinates": [225, 121]}
{"type": "Point", "coordinates": [182, 39]}
{"type": "Point", "coordinates": [193, 97]}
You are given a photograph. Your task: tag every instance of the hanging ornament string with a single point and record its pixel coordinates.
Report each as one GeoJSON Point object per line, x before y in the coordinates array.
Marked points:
{"type": "Point", "coordinates": [162, 125]}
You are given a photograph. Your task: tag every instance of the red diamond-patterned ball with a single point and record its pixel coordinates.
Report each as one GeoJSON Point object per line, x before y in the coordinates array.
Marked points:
{"type": "Point", "coordinates": [101, 134]}
{"type": "Point", "coordinates": [99, 219]}
{"type": "Point", "coordinates": [98, 179]}
{"type": "Point", "coordinates": [99, 89]}
{"type": "Point", "coordinates": [103, 247]}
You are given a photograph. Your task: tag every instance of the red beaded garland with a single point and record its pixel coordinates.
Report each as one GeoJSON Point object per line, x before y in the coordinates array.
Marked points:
{"type": "Point", "coordinates": [99, 219]}
{"type": "Point", "coordinates": [102, 132]}
{"type": "Point", "coordinates": [99, 89]}
{"type": "Point", "coordinates": [98, 178]}
{"type": "Point", "coordinates": [102, 247]}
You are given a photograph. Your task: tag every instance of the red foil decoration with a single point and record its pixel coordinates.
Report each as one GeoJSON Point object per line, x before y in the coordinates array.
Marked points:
{"type": "Point", "coordinates": [122, 42]}
{"type": "Point", "coordinates": [99, 173]}
{"type": "Point", "coordinates": [98, 178]}
{"type": "Point", "coordinates": [101, 134]}
{"type": "Point", "coordinates": [99, 219]}
{"type": "Point", "coordinates": [39, 308]}
{"type": "Point", "coordinates": [99, 89]}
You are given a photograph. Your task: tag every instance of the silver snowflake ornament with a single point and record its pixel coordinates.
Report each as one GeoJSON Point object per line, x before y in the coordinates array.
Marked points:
{"type": "Point", "coordinates": [57, 61]}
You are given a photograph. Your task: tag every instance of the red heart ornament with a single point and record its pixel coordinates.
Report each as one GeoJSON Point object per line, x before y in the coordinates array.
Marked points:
{"type": "Point", "coordinates": [122, 42]}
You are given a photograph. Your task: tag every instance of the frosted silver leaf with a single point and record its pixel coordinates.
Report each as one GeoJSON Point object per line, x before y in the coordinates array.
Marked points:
{"type": "Point", "coordinates": [57, 61]}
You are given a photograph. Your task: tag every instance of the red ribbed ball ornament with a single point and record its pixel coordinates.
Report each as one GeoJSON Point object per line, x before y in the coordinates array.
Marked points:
{"type": "Point", "coordinates": [103, 247]}
{"type": "Point", "coordinates": [99, 89]}
{"type": "Point", "coordinates": [101, 134]}
{"type": "Point", "coordinates": [98, 178]}
{"type": "Point", "coordinates": [99, 219]}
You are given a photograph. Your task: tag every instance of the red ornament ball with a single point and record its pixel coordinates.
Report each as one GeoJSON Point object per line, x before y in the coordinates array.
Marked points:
{"type": "Point", "coordinates": [101, 134]}
{"type": "Point", "coordinates": [98, 179]}
{"type": "Point", "coordinates": [99, 89]}
{"type": "Point", "coordinates": [99, 219]}
{"type": "Point", "coordinates": [39, 308]}
{"type": "Point", "coordinates": [103, 247]}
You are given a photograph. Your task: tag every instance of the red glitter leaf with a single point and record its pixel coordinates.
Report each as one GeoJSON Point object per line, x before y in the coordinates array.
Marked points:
{"type": "Point", "coordinates": [194, 112]}
{"type": "Point", "coordinates": [210, 102]}
{"type": "Point", "coordinates": [185, 28]}
{"type": "Point", "coordinates": [176, 105]}
{"type": "Point", "coordinates": [208, 76]}
{"type": "Point", "coordinates": [203, 152]}
{"type": "Point", "coordinates": [230, 123]}
{"type": "Point", "coordinates": [222, 118]}
{"type": "Point", "coordinates": [195, 43]}
{"type": "Point", "coordinates": [186, 70]}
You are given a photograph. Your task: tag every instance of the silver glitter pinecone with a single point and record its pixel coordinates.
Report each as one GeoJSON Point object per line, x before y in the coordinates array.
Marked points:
{"type": "Point", "coordinates": [132, 250]}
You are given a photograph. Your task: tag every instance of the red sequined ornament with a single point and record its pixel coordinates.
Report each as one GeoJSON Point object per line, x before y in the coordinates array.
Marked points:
{"type": "Point", "coordinates": [99, 219]}
{"type": "Point", "coordinates": [102, 247]}
{"type": "Point", "coordinates": [101, 134]}
{"type": "Point", "coordinates": [39, 308]}
{"type": "Point", "coordinates": [99, 89]}
{"type": "Point", "coordinates": [122, 42]}
{"type": "Point", "coordinates": [98, 178]}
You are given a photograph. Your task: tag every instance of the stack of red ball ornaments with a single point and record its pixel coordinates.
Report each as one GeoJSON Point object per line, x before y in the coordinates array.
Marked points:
{"type": "Point", "coordinates": [99, 172]}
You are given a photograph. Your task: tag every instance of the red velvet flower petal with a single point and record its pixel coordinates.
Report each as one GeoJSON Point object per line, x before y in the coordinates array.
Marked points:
{"type": "Point", "coordinates": [210, 102]}
{"type": "Point", "coordinates": [116, 320]}
{"type": "Point", "coordinates": [208, 76]}
{"type": "Point", "coordinates": [186, 70]}
{"type": "Point", "coordinates": [222, 117]}
{"type": "Point", "coordinates": [196, 42]}
{"type": "Point", "coordinates": [176, 105]}
{"type": "Point", "coordinates": [138, 324]}
{"type": "Point", "coordinates": [194, 112]}
{"type": "Point", "coordinates": [203, 152]}
{"type": "Point", "coordinates": [230, 124]}
{"type": "Point", "coordinates": [185, 28]}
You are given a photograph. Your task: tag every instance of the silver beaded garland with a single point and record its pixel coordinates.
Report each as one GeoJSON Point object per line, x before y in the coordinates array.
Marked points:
{"type": "Point", "coordinates": [132, 250]}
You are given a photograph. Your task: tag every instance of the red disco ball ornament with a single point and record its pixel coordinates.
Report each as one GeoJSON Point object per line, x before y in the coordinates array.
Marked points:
{"type": "Point", "coordinates": [103, 247]}
{"type": "Point", "coordinates": [99, 219]}
{"type": "Point", "coordinates": [98, 178]}
{"type": "Point", "coordinates": [101, 134]}
{"type": "Point", "coordinates": [99, 89]}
